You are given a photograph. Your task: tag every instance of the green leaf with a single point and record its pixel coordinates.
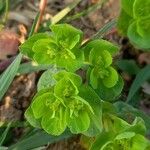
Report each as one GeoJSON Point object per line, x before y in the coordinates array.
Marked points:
{"type": "Point", "coordinates": [34, 24]}
{"type": "Point", "coordinates": [67, 35]}
{"type": "Point", "coordinates": [29, 67]}
{"type": "Point", "coordinates": [93, 79]}
{"type": "Point", "coordinates": [124, 21]}
{"type": "Point", "coordinates": [45, 51]}
{"type": "Point", "coordinates": [70, 64]}
{"type": "Point", "coordinates": [29, 112]}
{"type": "Point", "coordinates": [98, 46]}
{"type": "Point", "coordinates": [80, 123]}
{"type": "Point", "coordinates": [112, 78]}
{"type": "Point", "coordinates": [139, 142]}
{"type": "Point", "coordinates": [140, 9]}
{"type": "Point", "coordinates": [64, 74]}
{"type": "Point", "coordinates": [128, 112]}
{"type": "Point", "coordinates": [141, 77]}
{"type": "Point", "coordinates": [7, 77]}
{"type": "Point", "coordinates": [105, 29]}
{"type": "Point", "coordinates": [143, 27]}
{"type": "Point", "coordinates": [46, 80]}
{"type": "Point", "coordinates": [65, 88]}
{"type": "Point", "coordinates": [31, 119]}
{"type": "Point", "coordinates": [39, 138]}
{"type": "Point", "coordinates": [136, 39]}
{"type": "Point", "coordinates": [26, 47]}
{"type": "Point", "coordinates": [110, 94]}
{"type": "Point", "coordinates": [128, 66]}
{"type": "Point", "coordinates": [103, 139]}
{"type": "Point", "coordinates": [55, 125]}
{"type": "Point", "coordinates": [60, 15]}
{"type": "Point", "coordinates": [4, 134]}
{"type": "Point", "coordinates": [39, 106]}
{"type": "Point", "coordinates": [100, 57]}
{"type": "Point", "coordinates": [127, 6]}
{"type": "Point", "coordinates": [95, 102]}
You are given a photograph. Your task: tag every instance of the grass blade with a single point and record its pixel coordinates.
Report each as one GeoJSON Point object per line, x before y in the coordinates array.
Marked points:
{"type": "Point", "coordinates": [31, 67]}
{"type": "Point", "coordinates": [86, 11]}
{"type": "Point", "coordinates": [3, 136]}
{"type": "Point", "coordinates": [34, 24]}
{"type": "Point", "coordinates": [7, 77]}
{"type": "Point", "coordinates": [141, 77]}
{"type": "Point", "coordinates": [39, 139]}
{"type": "Point", "coordinates": [64, 12]}
{"type": "Point", "coordinates": [107, 27]}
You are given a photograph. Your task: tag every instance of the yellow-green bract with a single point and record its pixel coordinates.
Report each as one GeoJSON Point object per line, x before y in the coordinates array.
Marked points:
{"type": "Point", "coordinates": [134, 22]}
{"type": "Point", "coordinates": [122, 136]}
{"type": "Point", "coordinates": [62, 105]}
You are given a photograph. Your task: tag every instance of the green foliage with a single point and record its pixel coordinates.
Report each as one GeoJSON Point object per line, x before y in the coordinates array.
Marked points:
{"type": "Point", "coordinates": [62, 100]}
{"type": "Point", "coordinates": [102, 76]}
{"type": "Point", "coordinates": [121, 135]}
{"type": "Point", "coordinates": [134, 22]}
{"type": "Point", "coordinates": [65, 101]}
{"type": "Point", "coordinates": [63, 104]}
{"type": "Point", "coordinates": [61, 47]}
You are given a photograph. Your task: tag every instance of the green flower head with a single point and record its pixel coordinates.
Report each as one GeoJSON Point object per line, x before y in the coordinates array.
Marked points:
{"type": "Point", "coordinates": [61, 106]}
{"type": "Point", "coordinates": [61, 47]}
{"type": "Point", "coordinates": [134, 22]}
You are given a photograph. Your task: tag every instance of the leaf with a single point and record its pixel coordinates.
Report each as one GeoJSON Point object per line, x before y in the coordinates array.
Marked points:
{"type": "Point", "coordinates": [140, 9]}
{"type": "Point", "coordinates": [102, 31]}
{"type": "Point", "coordinates": [46, 80]}
{"type": "Point", "coordinates": [98, 46]}
{"type": "Point", "coordinates": [39, 106]}
{"type": "Point", "coordinates": [110, 94]}
{"type": "Point", "coordinates": [29, 67]}
{"type": "Point", "coordinates": [26, 47]}
{"type": "Point", "coordinates": [100, 57]}
{"type": "Point", "coordinates": [34, 24]}
{"type": "Point", "coordinates": [143, 26]}
{"type": "Point", "coordinates": [96, 118]}
{"type": "Point", "coordinates": [60, 15]}
{"type": "Point", "coordinates": [128, 112]}
{"type": "Point", "coordinates": [55, 125]}
{"type": "Point", "coordinates": [67, 35]}
{"type": "Point", "coordinates": [8, 76]}
{"type": "Point", "coordinates": [31, 119]}
{"type": "Point", "coordinates": [124, 21]}
{"type": "Point", "coordinates": [65, 88]}
{"type": "Point", "coordinates": [39, 138]}
{"type": "Point", "coordinates": [128, 66]}
{"type": "Point", "coordinates": [93, 79]}
{"type": "Point", "coordinates": [29, 112]}
{"type": "Point", "coordinates": [136, 39]}
{"type": "Point", "coordinates": [45, 51]}
{"type": "Point", "coordinates": [112, 78]}
{"type": "Point", "coordinates": [127, 6]}
{"type": "Point", "coordinates": [69, 63]}
{"type": "Point", "coordinates": [80, 123]}
{"type": "Point", "coordinates": [141, 77]}
{"type": "Point", "coordinates": [103, 139]}
{"type": "Point", "coordinates": [64, 74]}
{"type": "Point", "coordinates": [4, 134]}
{"type": "Point", "coordinates": [139, 142]}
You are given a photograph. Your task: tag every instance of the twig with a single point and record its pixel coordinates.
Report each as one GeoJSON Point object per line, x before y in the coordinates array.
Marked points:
{"type": "Point", "coordinates": [42, 7]}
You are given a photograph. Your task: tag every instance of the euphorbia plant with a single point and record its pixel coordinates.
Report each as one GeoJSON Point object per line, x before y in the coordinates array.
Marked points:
{"type": "Point", "coordinates": [134, 22]}
{"type": "Point", "coordinates": [64, 100]}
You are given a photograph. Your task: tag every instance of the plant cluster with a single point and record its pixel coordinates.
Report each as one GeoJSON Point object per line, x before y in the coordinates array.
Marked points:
{"type": "Point", "coordinates": [76, 92]}
{"type": "Point", "coordinates": [134, 22]}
